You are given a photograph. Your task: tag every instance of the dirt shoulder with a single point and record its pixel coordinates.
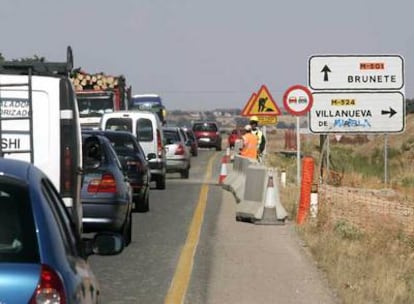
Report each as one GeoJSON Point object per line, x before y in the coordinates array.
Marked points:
{"type": "Point", "coordinates": [262, 264]}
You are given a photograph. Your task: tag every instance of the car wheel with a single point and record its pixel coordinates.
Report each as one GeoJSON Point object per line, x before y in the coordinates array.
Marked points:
{"type": "Point", "coordinates": [218, 148]}
{"type": "Point", "coordinates": [127, 230]}
{"type": "Point", "coordinates": [185, 173]}
{"type": "Point", "coordinates": [143, 205]}
{"type": "Point", "coordinates": [160, 182]}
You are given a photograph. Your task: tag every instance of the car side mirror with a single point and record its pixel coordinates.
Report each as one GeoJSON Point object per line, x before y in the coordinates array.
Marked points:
{"type": "Point", "coordinates": [104, 243]}
{"type": "Point", "coordinates": [92, 154]}
{"type": "Point", "coordinates": [151, 156]}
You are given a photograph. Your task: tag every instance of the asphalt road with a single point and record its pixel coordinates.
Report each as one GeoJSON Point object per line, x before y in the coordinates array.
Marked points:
{"type": "Point", "coordinates": [227, 262]}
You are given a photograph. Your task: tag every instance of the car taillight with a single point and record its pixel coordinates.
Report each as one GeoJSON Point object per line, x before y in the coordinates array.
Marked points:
{"type": "Point", "coordinates": [50, 289]}
{"type": "Point", "coordinates": [159, 144]}
{"type": "Point", "coordinates": [179, 150]}
{"type": "Point", "coordinates": [106, 183]}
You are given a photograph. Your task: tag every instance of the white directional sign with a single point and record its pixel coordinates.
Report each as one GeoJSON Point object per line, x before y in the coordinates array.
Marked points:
{"type": "Point", "coordinates": [354, 72]}
{"type": "Point", "coordinates": [357, 112]}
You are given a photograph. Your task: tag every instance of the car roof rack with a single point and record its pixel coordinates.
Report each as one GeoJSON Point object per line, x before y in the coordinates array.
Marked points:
{"type": "Point", "coordinates": [39, 67]}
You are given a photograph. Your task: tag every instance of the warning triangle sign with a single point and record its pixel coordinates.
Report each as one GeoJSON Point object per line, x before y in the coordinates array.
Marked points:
{"type": "Point", "coordinates": [248, 104]}
{"type": "Point", "coordinates": [263, 104]}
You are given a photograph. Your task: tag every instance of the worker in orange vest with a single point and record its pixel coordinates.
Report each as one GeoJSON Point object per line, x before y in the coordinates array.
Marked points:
{"type": "Point", "coordinates": [249, 144]}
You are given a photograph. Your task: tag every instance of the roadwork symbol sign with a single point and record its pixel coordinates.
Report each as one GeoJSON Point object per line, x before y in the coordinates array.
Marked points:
{"type": "Point", "coordinates": [248, 104]}
{"type": "Point", "coordinates": [261, 105]}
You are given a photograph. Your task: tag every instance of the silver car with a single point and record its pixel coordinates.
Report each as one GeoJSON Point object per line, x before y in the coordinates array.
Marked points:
{"type": "Point", "coordinates": [178, 151]}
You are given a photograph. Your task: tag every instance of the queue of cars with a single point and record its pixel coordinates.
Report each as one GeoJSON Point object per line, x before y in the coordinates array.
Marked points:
{"type": "Point", "coordinates": [59, 182]}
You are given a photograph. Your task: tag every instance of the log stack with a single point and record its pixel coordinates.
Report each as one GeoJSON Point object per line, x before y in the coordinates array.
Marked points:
{"type": "Point", "coordinates": [99, 81]}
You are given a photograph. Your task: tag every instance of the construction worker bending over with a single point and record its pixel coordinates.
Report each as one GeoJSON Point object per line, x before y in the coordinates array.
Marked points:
{"type": "Point", "coordinates": [261, 140]}
{"type": "Point", "coordinates": [249, 144]}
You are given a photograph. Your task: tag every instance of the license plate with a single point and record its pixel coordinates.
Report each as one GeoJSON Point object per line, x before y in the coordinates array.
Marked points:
{"type": "Point", "coordinates": [204, 139]}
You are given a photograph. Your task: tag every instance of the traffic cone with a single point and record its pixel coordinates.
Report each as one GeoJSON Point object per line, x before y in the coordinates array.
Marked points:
{"type": "Point", "coordinates": [273, 212]}
{"type": "Point", "coordinates": [223, 171]}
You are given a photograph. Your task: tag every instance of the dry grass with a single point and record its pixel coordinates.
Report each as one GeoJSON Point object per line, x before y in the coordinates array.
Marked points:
{"type": "Point", "coordinates": [363, 265]}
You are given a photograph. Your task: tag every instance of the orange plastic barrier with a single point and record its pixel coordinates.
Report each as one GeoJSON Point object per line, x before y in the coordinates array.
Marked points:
{"type": "Point", "coordinates": [308, 165]}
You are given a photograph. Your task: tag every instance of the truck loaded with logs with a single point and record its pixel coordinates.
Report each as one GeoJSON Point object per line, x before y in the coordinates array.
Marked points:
{"type": "Point", "coordinates": [98, 94]}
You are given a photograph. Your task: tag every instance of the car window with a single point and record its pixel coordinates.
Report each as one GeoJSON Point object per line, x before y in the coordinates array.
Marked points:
{"type": "Point", "coordinates": [123, 145]}
{"type": "Point", "coordinates": [112, 155]}
{"type": "Point", "coordinates": [119, 124]}
{"type": "Point", "coordinates": [144, 130]}
{"type": "Point", "coordinates": [207, 127]}
{"type": "Point", "coordinates": [18, 240]}
{"type": "Point", "coordinates": [63, 221]}
{"type": "Point", "coordinates": [171, 136]}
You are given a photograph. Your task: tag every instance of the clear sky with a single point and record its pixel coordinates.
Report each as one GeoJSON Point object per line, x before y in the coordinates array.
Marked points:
{"type": "Point", "coordinates": [202, 55]}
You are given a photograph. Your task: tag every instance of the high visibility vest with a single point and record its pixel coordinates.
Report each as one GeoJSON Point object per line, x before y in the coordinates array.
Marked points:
{"type": "Point", "coordinates": [249, 146]}
{"type": "Point", "coordinates": [259, 134]}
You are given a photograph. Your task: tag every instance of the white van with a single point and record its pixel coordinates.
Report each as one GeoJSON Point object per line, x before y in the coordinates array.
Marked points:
{"type": "Point", "coordinates": [39, 123]}
{"type": "Point", "coordinates": [146, 126]}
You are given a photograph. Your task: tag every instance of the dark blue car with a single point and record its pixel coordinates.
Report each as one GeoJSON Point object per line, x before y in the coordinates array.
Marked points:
{"type": "Point", "coordinates": [134, 163]}
{"type": "Point", "coordinates": [106, 194]}
{"type": "Point", "coordinates": [42, 256]}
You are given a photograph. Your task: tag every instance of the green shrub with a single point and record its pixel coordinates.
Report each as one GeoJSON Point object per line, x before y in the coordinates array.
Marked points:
{"type": "Point", "coordinates": [347, 231]}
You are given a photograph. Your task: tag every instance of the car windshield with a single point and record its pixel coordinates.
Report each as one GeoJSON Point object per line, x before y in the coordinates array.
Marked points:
{"type": "Point", "coordinates": [123, 145]}
{"type": "Point", "coordinates": [119, 124]}
{"type": "Point", "coordinates": [171, 136]}
{"type": "Point", "coordinates": [208, 127]}
{"type": "Point", "coordinates": [95, 107]}
{"type": "Point", "coordinates": [18, 242]}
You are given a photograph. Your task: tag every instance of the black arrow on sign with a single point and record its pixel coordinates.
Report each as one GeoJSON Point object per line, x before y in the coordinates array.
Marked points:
{"type": "Point", "coordinates": [325, 70]}
{"type": "Point", "coordinates": [392, 112]}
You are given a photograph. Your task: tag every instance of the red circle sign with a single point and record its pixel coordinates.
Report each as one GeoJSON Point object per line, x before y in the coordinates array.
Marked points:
{"type": "Point", "coordinates": [298, 100]}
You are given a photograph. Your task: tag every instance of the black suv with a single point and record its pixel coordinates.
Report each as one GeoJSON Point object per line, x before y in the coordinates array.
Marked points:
{"type": "Point", "coordinates": [207, 134]}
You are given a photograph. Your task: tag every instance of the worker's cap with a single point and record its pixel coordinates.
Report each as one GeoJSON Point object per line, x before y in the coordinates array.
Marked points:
{"type": "Point", "coordinates": [254, 119]}
{"type": "Point", "coordinates": [248, 127]}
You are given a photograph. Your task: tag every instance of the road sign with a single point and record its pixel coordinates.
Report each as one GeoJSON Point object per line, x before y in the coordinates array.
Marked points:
{"type": "Point", "coordinates": [248, 104]}
{"type": "Point", "coordinates": [263, 104]}
{"type": "Point", "coordinates": [297, 100]}
{"type": "Point", "coordinates": [355, 72]}
{"type": "Point", "coordinates": [267, 120]}
{"type": "Point", "coordinates": [357, 112]}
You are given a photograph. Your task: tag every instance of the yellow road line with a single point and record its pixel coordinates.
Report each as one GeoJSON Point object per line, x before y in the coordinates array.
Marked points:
{"type": "Point", "coordinates": [182, 275]}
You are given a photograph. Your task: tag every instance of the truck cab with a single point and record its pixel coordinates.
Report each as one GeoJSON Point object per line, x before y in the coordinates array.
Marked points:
{"type": "Point", "coordinates": [149, 102]}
